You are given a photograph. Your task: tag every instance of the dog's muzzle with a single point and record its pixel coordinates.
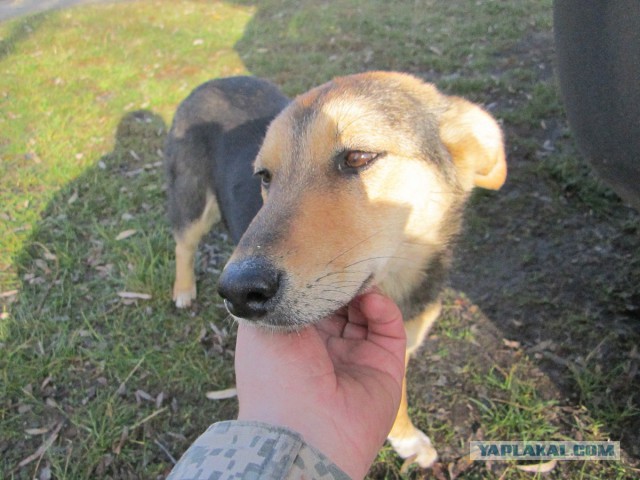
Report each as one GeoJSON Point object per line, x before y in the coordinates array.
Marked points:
{"type": "Point", "coordinates": [249, 287]}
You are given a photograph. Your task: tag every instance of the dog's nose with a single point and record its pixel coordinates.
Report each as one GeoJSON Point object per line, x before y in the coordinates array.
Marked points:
{"type": "Point", "coordinates": [247, 286]}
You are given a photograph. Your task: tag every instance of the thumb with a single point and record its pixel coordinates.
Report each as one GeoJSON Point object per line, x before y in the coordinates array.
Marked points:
{"type": "Point", "coordinates": [384, 319]}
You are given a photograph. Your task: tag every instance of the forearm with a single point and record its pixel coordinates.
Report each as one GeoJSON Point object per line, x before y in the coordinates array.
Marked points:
{"type": "Point", "coordinates": [256, 449]}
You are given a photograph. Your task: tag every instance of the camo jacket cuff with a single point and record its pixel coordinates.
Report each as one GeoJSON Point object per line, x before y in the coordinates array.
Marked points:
{"type": "Point", "coordinates": [253, 450]}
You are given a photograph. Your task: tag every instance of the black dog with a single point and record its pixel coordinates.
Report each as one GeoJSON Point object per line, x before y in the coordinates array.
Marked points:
{"type": "Point", "coordinates": [210, 149]}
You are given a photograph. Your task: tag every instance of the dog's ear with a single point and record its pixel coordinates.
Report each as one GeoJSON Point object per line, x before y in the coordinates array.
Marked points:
{"type": "Point", "coordinates": [474, 140]}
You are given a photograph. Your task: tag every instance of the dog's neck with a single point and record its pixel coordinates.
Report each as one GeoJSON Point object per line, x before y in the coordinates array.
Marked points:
{"type": "Point", "coordinates": [413, 294]}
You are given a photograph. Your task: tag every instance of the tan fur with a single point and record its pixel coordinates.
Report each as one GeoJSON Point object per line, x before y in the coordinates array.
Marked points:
{"type": "Point", "coordinates": [418, 327]}
{"type": "Point", "coordinates": [184, 287]}
{"type": "Point", "coordinates": [475, 140]}
{"type": "Point", "coordinates": [406, 439]}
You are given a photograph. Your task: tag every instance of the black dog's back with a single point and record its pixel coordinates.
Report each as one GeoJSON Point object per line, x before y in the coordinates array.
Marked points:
{"type": "Point", "coordinates": [216, 134]}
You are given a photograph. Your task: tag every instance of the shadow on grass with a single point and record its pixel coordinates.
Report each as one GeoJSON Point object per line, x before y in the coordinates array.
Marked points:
{"type": "Point", "coordinates": [95, 356]}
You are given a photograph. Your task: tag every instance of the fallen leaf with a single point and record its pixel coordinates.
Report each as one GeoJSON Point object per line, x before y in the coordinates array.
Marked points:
{"type": "Point", "coordinates": [43, 448]}
{"type": "Point", "coordinates": [142, 395]}
{"type": "Point", "coordinates": [45, 382]}
{"type": "Point", "coordinates": [126, 234]}
{"type": "Point", "coordinates": [123, 438]}
{"type": "Point", "coordinates": [134, 295]}
{"type": "Point", "coordinates": [42, 265]}
{"type": "Point", "coordinates": [514, 344]}
{"type": "Point", "coordinates": [539, 467]}
{"type": "Point", "coordinates": [122, 390]}
{"type": "Point", "coordinates": [159, 399]}
{"type": "Point", "coordinates": [50, 256]}
{"type": "Point", "coordinates": [222, 394]}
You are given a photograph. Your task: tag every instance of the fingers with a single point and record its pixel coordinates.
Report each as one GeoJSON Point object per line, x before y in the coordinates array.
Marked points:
{"type": "Point", "coordinates": [355, 314]}
{"type": "Point", "coordinates": [383, 316]}
{"type": "Point", "coordinates": [333, 325]}
{"type": "Point", "coordinates": [354, 331]}
{"type": "Point", "coordinates": [372, 316]}
{"type": "Point", "coordinates": [356, 326]}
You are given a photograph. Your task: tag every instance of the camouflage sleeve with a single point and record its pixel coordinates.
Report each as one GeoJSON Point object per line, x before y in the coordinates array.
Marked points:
{"type": "Point", "coordinates": [253, 450]}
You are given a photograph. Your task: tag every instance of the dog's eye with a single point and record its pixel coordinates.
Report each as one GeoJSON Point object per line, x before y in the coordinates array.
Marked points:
{"type": "Point", "coordinates": [357, 159]}
{"type": "Point", "coordinates": [265, 177]}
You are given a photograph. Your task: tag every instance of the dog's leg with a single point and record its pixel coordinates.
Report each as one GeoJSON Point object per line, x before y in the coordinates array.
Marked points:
{"type": "Point", "coordinates": [405, 438]}
{"type": "Point", "coordinates": [187, 240]}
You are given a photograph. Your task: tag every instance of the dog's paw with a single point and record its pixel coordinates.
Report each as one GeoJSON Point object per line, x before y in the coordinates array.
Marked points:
{"type": "Point", "coordinates": [183, 298]}
{"type": "Point", "coordinates": [416, 448]}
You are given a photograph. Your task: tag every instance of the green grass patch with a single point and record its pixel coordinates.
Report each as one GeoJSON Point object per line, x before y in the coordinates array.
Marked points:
{"type": "Point", "coordinates": [516, 411]}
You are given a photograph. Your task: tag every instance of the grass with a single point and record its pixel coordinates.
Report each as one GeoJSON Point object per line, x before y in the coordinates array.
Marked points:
{"type": "Point", "coordinates": [517, 412]}
{"type": "Point", "coordinates": [86, 97]}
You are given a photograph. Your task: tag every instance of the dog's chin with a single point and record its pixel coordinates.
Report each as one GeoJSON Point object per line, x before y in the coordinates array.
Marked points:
{"type": "Point", "coordinates": [366, 286]}
{"type": "Point", "coordinates": [284, 320]}
{"type": "Point", "coordinates": [274, 327]}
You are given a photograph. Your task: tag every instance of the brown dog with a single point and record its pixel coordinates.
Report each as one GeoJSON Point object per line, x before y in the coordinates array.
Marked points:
{"type": "Point", "coordinates": [364, 181]}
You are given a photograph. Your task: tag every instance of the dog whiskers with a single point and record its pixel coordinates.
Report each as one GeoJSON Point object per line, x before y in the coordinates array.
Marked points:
{"type": "Point", "coordinates": [341, 272]}
{"type": "Point", "coordinates": [336, 283]}
{"type": "Point", "coordinates": [329, 290]}
{"type": "Point", "coordinates": [352, 247]}
{"type": "Point", "coordinates": [390, 257]}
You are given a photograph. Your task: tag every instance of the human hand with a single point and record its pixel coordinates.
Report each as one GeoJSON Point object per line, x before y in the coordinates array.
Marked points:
{"type": "Point", "coordinates": [338, 383]}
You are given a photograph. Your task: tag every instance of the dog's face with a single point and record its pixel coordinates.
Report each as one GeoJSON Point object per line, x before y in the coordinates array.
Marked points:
{"type": "Point", "coordinates": [363, 180]}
